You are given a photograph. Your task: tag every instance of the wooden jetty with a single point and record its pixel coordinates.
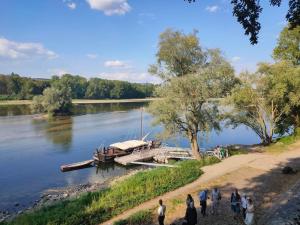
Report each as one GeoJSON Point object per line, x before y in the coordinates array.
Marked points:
{"type": "Point", "coordinates": [75, 166]}
{"type": "Point", "coordinates": [152, 164]}
{"type": "Point", "coordinates": [147, 155]}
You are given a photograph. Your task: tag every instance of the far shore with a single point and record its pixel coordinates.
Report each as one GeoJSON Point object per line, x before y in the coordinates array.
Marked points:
{"type": "Point", "coordinates": [83, 101]}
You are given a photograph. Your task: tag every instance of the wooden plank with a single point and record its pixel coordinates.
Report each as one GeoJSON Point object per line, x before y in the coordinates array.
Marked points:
{"type": "Point", "coordinates": [153, 164]}
{"type": "Point", "coordinates": [146, 155]}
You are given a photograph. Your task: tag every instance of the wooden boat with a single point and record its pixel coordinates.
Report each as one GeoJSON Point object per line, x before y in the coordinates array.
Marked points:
{"type": "Point", "coordinates": [122, 148]}
{"type": "Point", "coordinates": [78, 165]}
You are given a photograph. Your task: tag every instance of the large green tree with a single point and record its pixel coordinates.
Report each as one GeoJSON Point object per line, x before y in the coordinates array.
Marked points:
{"type": "Point", "coordinates": [288, 45]}
{"type": "Point", "coordinates": [280, 84]}
{"type": "Point", "coordinates": [54, 101]}
{"type": "Point", "coordinates": [191, 78]}
{"type": "Point", "coordinates": [268, 101]}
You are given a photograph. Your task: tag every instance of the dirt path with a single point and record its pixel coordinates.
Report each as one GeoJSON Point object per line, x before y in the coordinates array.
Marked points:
{"type": "Point", "coordinates": [257, 174]}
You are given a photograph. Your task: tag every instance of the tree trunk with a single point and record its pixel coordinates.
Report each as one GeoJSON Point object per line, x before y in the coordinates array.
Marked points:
{"type": "Point", "coordinates": [195, 147]}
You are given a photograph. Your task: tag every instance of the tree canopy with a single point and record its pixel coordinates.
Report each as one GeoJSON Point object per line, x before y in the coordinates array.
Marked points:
{"type": "Point", "coordinates": [178, 54]}
{"type": "Point", "coordinates": [247, 13]}
{"type": "Point", "coordinates": [16, 87]}
{"type": "Point", "coordinates": [268, 101]}
{"type": "Point", "coordinates": [54, 101]}
{"type": "Point", "coordinates": [288, 45]}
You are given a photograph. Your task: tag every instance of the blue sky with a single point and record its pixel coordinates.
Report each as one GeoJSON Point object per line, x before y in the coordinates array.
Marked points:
{"type": "Point", "coordinates": [117, 39]}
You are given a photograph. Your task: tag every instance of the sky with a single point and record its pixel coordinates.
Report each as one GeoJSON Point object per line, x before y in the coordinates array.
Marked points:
{"type": "Point", "coordinates": [117, 39]}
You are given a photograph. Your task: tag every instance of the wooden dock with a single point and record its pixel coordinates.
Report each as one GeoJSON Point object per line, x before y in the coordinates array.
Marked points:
{"type": "Point", "coordinates": [147, 155]}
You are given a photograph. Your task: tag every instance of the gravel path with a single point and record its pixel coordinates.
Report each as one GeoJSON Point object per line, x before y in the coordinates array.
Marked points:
{"type": "Point", "coordinates": [257, 174]}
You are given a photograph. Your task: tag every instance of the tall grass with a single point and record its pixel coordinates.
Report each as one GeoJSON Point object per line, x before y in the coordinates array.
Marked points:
{"type": "Point", "coordinates": [143, 217]}
{"type": "Point", "coordinates": [94, 208]}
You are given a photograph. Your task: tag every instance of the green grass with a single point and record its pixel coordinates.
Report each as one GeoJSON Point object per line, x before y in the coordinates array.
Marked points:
{"type": "Point", "coordinates": [97, 207]}
{"type": "Point", "coordinates": [282, 144]}
{"type": "Point", "coordinates": [143, 217]}
{"type": "Point", "coordinates": [233, 152]}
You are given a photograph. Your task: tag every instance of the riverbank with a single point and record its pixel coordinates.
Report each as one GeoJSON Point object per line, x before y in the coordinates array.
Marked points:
{"type": "Point", "coordinates": [52, 196]}
{"type": "Point", "coordinates": [83, 101]}
{"type": "Point", "coordinates": [258, 174]}
{"type": "Point", "coordinates": [95, 207]}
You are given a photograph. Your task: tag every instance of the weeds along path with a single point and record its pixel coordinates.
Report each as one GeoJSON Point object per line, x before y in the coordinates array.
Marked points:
{"type": "Point", "coordinates": [260, 161]}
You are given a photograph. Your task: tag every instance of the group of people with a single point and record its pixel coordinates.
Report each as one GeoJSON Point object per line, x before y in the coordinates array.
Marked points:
{"type": "Point", "coordinates": [238, 204]}
{"type": "Point", "coordinates": [221, 152]}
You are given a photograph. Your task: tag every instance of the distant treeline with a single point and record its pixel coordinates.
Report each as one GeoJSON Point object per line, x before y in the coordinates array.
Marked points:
{"type": "Point", "coordinates": [14, 86]}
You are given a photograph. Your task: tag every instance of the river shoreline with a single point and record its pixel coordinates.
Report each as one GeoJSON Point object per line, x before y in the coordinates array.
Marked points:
{"type": "Point", "coordinates": [82, 101]}
{"type": "Point", "coordinates": [56, 195]}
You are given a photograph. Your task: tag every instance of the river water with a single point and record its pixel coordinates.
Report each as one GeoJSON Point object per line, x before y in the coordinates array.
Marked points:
{"type": "Point", "coordinates": [32, 150]}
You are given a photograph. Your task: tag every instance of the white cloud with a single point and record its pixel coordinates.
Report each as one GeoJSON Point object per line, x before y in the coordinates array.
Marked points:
{"type": "Point", "coordinates": [212, 9]}
{"type": "Point", "coordinates": [110, 7]}
{"type": "Point", "coordinates": [131, 76]}
{"type": "Point", "coordinates": [92, 56]}
{"type": "Point", "coordinates": [116, 64]}
{"type": "Point", "coordinates": [235, 59]}
{"type": "Point", "coordinates": [71, 5]}
{"type": "Point", "coordinates": [16, 50]}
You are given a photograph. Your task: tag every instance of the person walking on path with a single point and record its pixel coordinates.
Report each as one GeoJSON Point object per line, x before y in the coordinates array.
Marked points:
{"type": "Point", "coordinates": [203, 195]}
{"type": "Point", "coordinates": [190, 216]}
{"type": "Point", "coordinates": [161, 212]}
{"type": "Point", "coordinates": [235, 203]}
{"type": "Point", "coordinates": [189, 201]}
{"type": "Point", "coordinates": [250, 212]}
{"type": "Point", "coordinates": [215, 198]}
{"type": "Point", "coordinates": [244, 205]}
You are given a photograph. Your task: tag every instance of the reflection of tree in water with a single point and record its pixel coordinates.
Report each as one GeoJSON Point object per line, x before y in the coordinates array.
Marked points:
{"type": "Point", "coordinates": [58, 130]}
{"type": "Point", "coordinates": [107, 107]}
{"type": "Point", "coordinates": [107, 169]}
{"type": "Point", "coordinates": [102, 168]}
{"type": "Point", "coordinates": [14, 110]}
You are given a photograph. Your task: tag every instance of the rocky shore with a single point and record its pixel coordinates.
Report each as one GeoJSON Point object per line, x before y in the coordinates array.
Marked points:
{"type": "Point", "coordinates": [52, 196]}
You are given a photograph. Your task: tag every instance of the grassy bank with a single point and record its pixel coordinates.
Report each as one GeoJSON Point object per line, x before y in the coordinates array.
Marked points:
{"type": "Point", "coordinates": [282, 144]}
{"type": "Point", "coordinates": [143, 217]}
{"type": "Point", "coordinates": [94, 208]}
{"type": "Point", "coordinates": [81, 101]}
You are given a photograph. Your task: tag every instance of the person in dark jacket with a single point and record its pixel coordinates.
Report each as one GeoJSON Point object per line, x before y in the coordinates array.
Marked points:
{"type": "Point", "coordinates": [191, 216]}
{"type": "Point", "coordinates": [235, 201]}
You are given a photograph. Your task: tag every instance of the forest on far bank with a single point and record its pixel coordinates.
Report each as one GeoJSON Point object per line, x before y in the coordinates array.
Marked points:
{"type": "Point", "coordinates": [16, 87]}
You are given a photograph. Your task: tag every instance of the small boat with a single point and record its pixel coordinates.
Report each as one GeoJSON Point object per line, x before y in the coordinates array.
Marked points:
{"type": "Point", "coordinates": [78, 165]}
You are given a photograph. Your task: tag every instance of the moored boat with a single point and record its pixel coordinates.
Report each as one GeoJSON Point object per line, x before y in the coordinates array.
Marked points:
{"type": "Point", "coordinates": [123, 148]}
{"type": "Point", "coordinates": [78, 165]}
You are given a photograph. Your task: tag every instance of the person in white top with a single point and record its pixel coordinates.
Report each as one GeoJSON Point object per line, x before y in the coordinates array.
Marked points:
{"type": "Point", "coordinates": [161, 211]}
{"type": "Point", "coordinates": [244, 205]}
{"type": "Point", "coordinates": [250, 212]}
{"type": "Point", "coordinates": [215, 198]}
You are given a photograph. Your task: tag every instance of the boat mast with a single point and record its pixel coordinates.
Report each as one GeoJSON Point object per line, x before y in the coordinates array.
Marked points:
{"type": "Point", "coordinates": [141, 123]}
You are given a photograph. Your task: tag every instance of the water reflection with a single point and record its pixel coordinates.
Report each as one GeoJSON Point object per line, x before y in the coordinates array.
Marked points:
{"type": "Point", "coordinates": [81, 109]}
{"type": "Point", "coordinates": [57, 130]}
{"type": "Point", "coordinates": [78, 109]}
{"type": "Point", "coordinates": [14, 110]}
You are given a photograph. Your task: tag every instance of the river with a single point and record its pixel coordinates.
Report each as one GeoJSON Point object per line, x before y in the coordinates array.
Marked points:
{"type": "Point", "coordinates": [32, 150]}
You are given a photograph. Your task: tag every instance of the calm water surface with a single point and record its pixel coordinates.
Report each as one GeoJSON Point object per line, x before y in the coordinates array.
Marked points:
{"type": "Point", "coordinates": [31, 150]}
